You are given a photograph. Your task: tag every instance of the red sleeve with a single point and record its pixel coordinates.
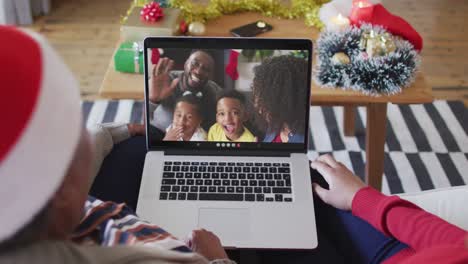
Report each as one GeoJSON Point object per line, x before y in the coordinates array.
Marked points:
{"type": "Point", "coordinates": [405, 221]}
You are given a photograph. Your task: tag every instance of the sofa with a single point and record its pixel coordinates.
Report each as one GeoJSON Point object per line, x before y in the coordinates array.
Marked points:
{"type": "Point", "coordinates": [451, 204]}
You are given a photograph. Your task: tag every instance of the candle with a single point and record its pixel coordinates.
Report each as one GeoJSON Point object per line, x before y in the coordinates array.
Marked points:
{"type": "Point", "coordinates": [362, 4]}
{"type": "Point", "coordinates": [338, 23]}
{"type": "Point", "coordinates": [362, 9]}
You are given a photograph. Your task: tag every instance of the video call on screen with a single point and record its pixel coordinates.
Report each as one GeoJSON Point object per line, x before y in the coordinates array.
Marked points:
{"type": "Point", "coordinates": [225, 95]}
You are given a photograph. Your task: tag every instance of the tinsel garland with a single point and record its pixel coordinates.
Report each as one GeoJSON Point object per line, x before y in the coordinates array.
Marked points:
{"type": "Point", "coordinates": [373, 76]}
{"type": "Point", "coordinates": [306, 9]}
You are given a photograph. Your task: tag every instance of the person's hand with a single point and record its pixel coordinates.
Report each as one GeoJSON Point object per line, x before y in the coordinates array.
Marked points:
{"type": "Point", "coordinates": [175, 133]}
{"type": "Point", "coordinates": [160, 85]}
{"type": "Point", "coordinates": [343, 184]}
{"type": "Point", "coordinates": [206, 244]}
{"type": "Point", "coordinates": [136, 129]}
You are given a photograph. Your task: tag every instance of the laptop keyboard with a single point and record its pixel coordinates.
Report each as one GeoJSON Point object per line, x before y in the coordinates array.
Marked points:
{"type": "Point", "coordinates": [226, 181]}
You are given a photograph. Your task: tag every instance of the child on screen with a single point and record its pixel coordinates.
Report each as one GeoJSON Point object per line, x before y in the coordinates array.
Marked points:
{"type": "Point", "coordinates": [230, 118]}
{"type": "Point", "coordinates": [186, 120]}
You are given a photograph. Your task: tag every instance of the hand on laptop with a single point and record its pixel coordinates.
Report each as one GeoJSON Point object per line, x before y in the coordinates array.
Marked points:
{"type": "Point", "coordinates": [343, 183]}
{"type": "Point", "coordinates": [160, 84]}
{"type": "Point", "coordinates": [207, 244]}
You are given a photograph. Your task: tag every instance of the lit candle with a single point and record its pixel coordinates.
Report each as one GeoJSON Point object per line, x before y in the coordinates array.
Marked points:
{"type": "Point", "coordinates": [338, 23]}
{"type": "Point", "coordinates": [362, 4]}
{"type": "Point", "coordinates": [362, 10]}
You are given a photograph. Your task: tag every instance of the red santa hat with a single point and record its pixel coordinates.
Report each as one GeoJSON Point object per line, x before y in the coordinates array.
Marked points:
{"type": "Point", "coordinates": [378, 15]}
{"type": "Point", "coordinates": [41, 126]}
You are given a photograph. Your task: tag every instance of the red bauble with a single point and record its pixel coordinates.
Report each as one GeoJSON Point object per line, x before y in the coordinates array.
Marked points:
{"type": "Point", "coordinates": [151, 12]}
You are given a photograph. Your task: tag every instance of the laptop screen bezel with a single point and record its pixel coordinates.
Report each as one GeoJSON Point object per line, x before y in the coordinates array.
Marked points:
{"type": "Point", "coordinates": [228, 43]}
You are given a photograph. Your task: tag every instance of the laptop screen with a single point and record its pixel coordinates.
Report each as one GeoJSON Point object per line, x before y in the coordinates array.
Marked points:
{"type": "Point", "coordinates": [227, 94]}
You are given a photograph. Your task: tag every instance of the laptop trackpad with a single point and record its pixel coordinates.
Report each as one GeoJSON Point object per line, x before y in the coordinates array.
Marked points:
{"type": "Point", "coordinates": [227, 224]}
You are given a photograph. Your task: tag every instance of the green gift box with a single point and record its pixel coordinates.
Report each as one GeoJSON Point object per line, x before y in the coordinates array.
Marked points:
{"type": "Point", "coordinates": [129, 57]}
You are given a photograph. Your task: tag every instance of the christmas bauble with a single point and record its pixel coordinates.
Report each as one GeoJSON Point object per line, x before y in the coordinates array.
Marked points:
{"type": "Point", "coordinates": [196, 28]}
{"type": "Point", "coordinates": [183, 27]}
{"type": "Point", "coordinates": [377, 44]}
{"type": "Point", "coordinates": [340, 58]}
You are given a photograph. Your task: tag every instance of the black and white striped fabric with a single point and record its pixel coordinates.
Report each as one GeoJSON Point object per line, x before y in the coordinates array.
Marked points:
{"type": "Point", "coordinates": [426, 145]}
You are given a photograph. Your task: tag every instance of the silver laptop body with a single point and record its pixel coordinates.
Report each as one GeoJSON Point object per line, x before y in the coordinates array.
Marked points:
{"type": "Point", "coordinates": [242, 216]}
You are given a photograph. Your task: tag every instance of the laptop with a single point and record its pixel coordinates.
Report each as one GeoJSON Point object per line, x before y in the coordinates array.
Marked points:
{"type": "Point", "coordinates": [252, 192]}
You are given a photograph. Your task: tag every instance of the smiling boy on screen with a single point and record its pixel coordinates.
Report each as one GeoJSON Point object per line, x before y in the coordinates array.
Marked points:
{"type": "Point", "coordinates": [230, 119]}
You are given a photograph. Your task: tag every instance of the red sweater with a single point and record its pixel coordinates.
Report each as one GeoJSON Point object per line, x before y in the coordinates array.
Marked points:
{"type": "Point", "coordinates": [429, 238]}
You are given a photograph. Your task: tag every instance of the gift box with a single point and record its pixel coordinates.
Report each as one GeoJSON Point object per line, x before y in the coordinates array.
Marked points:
{"type": "Point", "coordinates": [136, 29]}
{"type": "Point", "coordinates": [129, 57]}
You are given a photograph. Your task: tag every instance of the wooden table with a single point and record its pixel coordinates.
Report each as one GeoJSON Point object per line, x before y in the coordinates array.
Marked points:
{"type": "Point", "coordinates": [130, 86]}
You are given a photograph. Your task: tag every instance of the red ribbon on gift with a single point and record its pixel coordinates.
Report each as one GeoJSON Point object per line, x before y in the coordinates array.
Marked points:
{"type": "Point", "coordinates": [378, 15]}
{"type": "Point", "coordinates": [151, 12]}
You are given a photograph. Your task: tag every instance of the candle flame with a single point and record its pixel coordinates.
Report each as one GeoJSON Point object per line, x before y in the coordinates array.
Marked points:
{"type": "Point", "coordinates": [362, 4]}
{"type": "Point", "coordinates": [340, 21]}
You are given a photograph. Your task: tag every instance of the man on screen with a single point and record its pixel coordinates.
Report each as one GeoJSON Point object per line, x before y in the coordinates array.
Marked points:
{"type": "Point", "coordinates": [166, 86]}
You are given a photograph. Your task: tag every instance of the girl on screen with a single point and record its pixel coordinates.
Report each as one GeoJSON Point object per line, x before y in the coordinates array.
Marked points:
{"type": "Point", "coordinates": [186, 120]}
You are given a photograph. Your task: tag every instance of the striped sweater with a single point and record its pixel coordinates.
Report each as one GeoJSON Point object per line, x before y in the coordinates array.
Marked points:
{"type": "Point", "coordinates": [111, 224]}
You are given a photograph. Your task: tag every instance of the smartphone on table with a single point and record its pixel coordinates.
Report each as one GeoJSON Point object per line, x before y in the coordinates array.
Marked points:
{"type": "Point", "coordinates": [252, 29]}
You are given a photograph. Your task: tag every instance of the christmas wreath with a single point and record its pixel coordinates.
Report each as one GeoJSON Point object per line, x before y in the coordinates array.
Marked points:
{"type": "Point", "coordinates": [366, 59]}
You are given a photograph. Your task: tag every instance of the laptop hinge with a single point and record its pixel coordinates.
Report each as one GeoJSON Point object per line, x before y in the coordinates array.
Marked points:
{"type": "Point", "coordinates": [240, 153]}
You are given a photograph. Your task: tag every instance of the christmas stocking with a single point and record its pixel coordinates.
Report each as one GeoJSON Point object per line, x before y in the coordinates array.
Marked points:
{"type": "Point", "coordinates": [155, 55]}
{"type": "Point", "coordinates": [231, 67]}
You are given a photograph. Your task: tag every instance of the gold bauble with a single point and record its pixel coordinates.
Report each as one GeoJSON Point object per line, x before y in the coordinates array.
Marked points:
{"type": "Point", "coordinates": [196, 29]}
{"type": "Point", "coordinates": [377, 44]}
{"type": "Point", "coordinates": [340, 58]}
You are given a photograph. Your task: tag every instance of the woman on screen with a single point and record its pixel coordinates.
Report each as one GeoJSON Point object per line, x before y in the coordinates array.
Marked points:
{"type": "Point", "coordinates": [278, 94]}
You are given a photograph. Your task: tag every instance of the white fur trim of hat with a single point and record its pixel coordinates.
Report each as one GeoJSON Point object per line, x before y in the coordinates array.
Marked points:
{"type": "Point", "coordinates": [41, 126]}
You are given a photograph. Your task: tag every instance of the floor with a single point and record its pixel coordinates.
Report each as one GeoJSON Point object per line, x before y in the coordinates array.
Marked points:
{"type": "Point", "coordinates": [85, 32]}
